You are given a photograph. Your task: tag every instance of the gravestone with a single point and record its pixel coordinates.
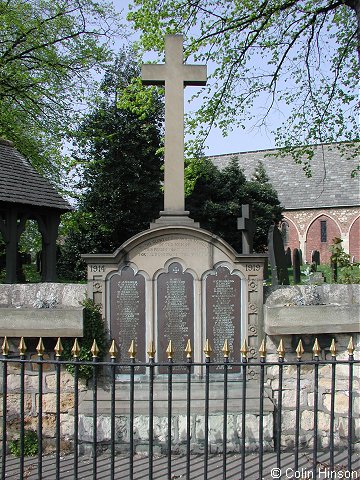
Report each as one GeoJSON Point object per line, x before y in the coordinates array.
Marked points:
{"type": "Point", "coordinates": [277, 258]}
{"type": "Point", "coordinates": [315, 257]}
{"type": "Point", "coordinates": [176, 281]}
{"type": "Point", "coordinates": [296, 266]}
{"type": "Point", "coordinates": [288, 257]}
{"type": "Point", "coordinates": [247, 227]}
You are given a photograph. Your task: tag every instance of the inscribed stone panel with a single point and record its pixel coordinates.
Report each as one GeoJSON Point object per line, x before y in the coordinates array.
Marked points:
{"type": "Point", "coordinates": [127, 312]}
{"type": "Point", "coordinates": [223, 313]}
{"type": "Point", "coordinates": [175, 312]}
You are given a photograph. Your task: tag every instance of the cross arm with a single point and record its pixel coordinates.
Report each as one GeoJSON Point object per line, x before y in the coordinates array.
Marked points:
{"type": "Point", "coordinates": [153, 74]}
{"type": "Point", "coordinates": [195, 75]}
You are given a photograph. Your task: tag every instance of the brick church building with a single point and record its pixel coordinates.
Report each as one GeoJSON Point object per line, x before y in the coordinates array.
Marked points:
{"type": "Point", "coordinates": [318, 208]}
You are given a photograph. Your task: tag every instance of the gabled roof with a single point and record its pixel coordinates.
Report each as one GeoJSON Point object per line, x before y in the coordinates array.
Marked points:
{"type": "Point", "coordinates": [331, 184]}
{"type": "Point", "coordinates": [20, 183]}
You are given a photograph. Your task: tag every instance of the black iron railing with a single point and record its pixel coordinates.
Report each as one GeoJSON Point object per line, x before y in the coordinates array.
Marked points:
{"type": "Point", "coordinates": [120, 375]}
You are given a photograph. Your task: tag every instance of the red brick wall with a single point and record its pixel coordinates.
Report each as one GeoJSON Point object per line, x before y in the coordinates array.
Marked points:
{"type": "Point", "coordinates": [354, 249]}
{"type": "Point", "coordinates": [292, 235]}
{"type": "Point", "coordinates": [313, 238]}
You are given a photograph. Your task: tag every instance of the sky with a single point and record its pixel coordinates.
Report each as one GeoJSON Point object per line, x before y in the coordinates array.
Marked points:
{"type": "Point", "coordinates": [240, 140]}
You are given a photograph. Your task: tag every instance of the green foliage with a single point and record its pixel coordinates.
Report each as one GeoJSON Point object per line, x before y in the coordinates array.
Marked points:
{"type": "Point", "coordinates": [120, 173]}
{"type": "Point", "coordinates": [348, 272]}
{"type": "Point", "coordinates": [31, 444]}
{"type": "Point", "coordinates": [338, 254]}
{"type": "Point", "coordinates": [300, 58]}
{"type": "Point", "coordinates": [217, 199]}
{"type": "Point", "coordinates": [47, 50]}
{"type": "Point", "coordinates": [30, 240]}
{"type": "Point", "coordinates": [94, 329]}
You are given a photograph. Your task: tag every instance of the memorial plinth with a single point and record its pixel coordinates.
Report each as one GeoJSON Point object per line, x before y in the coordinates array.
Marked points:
{"type": "Point", "coordinates": [178, 283]}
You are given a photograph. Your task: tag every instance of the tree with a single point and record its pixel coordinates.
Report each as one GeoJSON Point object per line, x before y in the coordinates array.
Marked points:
{"type": "Point", "coordinates": [276, 54]}
{"type": "Point", "coordinates": [47, 50]}
{"type": "Point", "coordinates": [217, 199]}
{"type": "Point", "coordinates": [120, 177]}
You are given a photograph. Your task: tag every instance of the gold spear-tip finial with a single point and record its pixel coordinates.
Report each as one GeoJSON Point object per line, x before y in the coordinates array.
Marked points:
{"type": "Point", "coordinates": [244, 349]}
{"type": "Point", "coordinates": [316, 348]}
{"type": "Point", "coordinates": [262, 349]}
{"type": "Point", "coordinates": [350, 347]}
{"type": "Point", "coordinates": [22, 346]}
{"type": "Point", "coordinates": [95, 349]}
{"type": "Point", "coordinates": [333, 350]}
{"type": "Point", "coordinates": [188, 349]}
{"type": "Point", "coordinates": [207, 349]}
{"type": "Point", "coordinates": [40, 348]}
{"type": "Point", "coordinates": [281, 349]}
{"type": "Point", "coordinates": [58, 348]}
{"type": "Point", "coordinates": [299, 350]}
{"type": "Point", "coordinates": [75, 349]}
{"type": "Point", "coordinates": [5, 347]}
{"type": "Point", "coordinates": [151, 350]}
{"type": "Point", "coordinates": [226, 349]}
{"type": "Point", "coordinates": [132, 350]}
{"type": "Point", "coordinates": [170, 351]}
{"type": "Point", "coordinates": [113, 350]}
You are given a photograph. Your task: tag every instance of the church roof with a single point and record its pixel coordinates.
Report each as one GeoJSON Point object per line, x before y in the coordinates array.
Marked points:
{"type": "Point", "coordinates": [330, 185]}
{"type": "Point", "coordinates": [21, 183]}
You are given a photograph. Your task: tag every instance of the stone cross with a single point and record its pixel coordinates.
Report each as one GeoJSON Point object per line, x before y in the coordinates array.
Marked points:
{"type": "Point", "coordinates": [175, 76]}
{"type": "Point", "coordinates": [247, 226]}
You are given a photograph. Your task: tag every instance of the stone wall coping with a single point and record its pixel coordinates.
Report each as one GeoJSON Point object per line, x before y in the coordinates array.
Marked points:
{"type": "Point", "coordinates": [328, 294]}
{"type": "Point", "coordinates": [311, 319]}
{"type": "Point", "coordinates": [42, 322]}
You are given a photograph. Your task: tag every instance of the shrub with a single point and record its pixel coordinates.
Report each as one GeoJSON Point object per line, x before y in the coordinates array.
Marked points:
{"type": "Point", "coordinates": [94, 329]}
{"type": "Point", "coordinates": [31, 444]}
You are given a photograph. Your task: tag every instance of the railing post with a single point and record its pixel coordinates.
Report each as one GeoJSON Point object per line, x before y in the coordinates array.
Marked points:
{"type": "Point", "coordinates": [188, 351]}
{"type": "Point", "coordinates": [350, 350]}
{"type": "Point", "coordinates": [5, 353]}
{"type": "Point", "coordinates": [281, 354]}
{"type": "Point", "coordinates": [58, 352]}
{"type": "Point", "coordinates": [316, 352]}
{"type": "Point", "coordinates": [151, 354]}
{"type": "Point", "coordinates": [113, 353]}
{"type": "Point", "coordinates": [95, 356]}
{"type": "Point", "coordinates": [226, 353]}
{"type": "Point", "coordinates": [299, 354]}
{"type": "Point", "coordinates": [170, 353]}
{"type": "Point", "coordinates": [262, 353]}
{"type": "Point", "coordinates": [75, 353]}
{"type": "Point", "coordinates": [332, 404]}
{"type": "Point", "coordinates": [132, 353]}
{"type": "Point", "coordinates": [40, 350]}
{"type": "Point", "coordinates": [244, 353]}
{"type": "Point", "coordinates": [207, 351]}
{"type": "Point", "coordinates": [22, 350]}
